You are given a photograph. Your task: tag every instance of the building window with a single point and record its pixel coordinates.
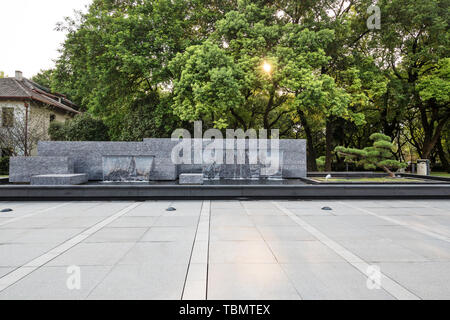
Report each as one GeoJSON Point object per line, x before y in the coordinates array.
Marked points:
{"type": "Point", "coordinates": [52, 117]}
{"type": "Point", "coordinates": [7, 117]}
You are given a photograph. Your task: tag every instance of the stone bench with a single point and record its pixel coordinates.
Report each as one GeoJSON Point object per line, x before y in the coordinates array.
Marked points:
{"type": "Point", "coordinates": [21, 169]}
{"type": "Point", "coordinates": [191, 178]}
{"type": "Point", "coordinates": [59, 179]}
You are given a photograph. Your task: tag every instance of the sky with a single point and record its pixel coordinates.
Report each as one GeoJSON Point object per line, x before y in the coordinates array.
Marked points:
{"type": "Point", "coordinates": [28, 39]}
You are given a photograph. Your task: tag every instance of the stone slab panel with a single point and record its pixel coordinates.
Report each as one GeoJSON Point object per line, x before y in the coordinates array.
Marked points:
{"type": "Point", "coordinates": [23, 168]}
{"type": "Point", "coordinates": [164, 173]}
{"type": "Point", "coordinates": [59, 179]}
{"type": "Point", "coordinates": [294, 171]}
{"type": "Point", "coordinates": [88, 156]}
{"type": "Point", "coordinates": [191, 178]}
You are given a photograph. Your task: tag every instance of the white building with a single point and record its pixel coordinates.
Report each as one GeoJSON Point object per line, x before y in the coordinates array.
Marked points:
{"type": "Point", "coordinates": [28, 107]}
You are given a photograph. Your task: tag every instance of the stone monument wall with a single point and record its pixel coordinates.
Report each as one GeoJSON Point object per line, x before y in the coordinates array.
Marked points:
{"type": "Point", "coordinates": [87, 157]}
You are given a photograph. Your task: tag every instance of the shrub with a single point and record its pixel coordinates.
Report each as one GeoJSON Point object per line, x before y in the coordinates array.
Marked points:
{"type": "Point", "coordinates": [4, 165]}
{"type": "Point", "coordinates": [57, 131]}
{"type": "Point", "coordinates": [81, 128]}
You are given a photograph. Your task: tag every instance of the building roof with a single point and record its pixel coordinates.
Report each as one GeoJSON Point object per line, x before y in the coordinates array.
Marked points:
{"type": "Point", "coordinates": [27, 90]}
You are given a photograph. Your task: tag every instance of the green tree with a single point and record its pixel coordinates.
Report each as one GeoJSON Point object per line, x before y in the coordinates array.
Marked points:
{"type": "Point", "coordinates": [57, 131]}
{"type": "Point", "coordinates": [223, 80]}
{"type": "Point", "coordinates": [412, 42]}
{"type": "Point", "coordinates": [116, 56]}
{"type": "Point", "coordinates": [44, 78]}
{"type": "Point", "coordinates": [81, 128]}
{"type": "Point", "coordinates": [380, 155]}
{"type": "Point", "coordinates": [147, 67]}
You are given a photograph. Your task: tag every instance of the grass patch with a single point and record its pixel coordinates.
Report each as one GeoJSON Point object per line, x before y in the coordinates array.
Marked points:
{"type": "Point", "coordinates": [441, 174]}
{"type": "Point", "coordinates": [387, 179]}
{"type": "Point", "coordinates": [3, 176]}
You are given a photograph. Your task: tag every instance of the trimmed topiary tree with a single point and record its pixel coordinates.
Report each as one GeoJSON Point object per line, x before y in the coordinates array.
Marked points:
{"type": "Point", "coordinates": [380, 155]}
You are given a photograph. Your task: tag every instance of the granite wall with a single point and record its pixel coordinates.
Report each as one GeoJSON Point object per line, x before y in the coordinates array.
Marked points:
{"type": "Point", "coordinates": [87, 156]}
{"type": "Point", "coordinates": [21, 169]}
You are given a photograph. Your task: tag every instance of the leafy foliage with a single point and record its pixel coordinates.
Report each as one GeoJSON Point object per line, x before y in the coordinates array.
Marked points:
{"type": "Point", "coordinates": [81, 128]}
{"type": "Point", "coordinates": [4, 165]}
{"type": "Point", "coordinates": [147, 67]}
{"type": "Point", "coordinates": [378, 156]}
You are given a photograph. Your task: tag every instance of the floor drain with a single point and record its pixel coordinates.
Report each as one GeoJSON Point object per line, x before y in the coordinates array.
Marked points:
{"type": "Point", "coordinates": [327, 209]}
{"type": "Point", "coordinates": [6, 210]}
{"type": "Point", "coordinates": [171, 209]}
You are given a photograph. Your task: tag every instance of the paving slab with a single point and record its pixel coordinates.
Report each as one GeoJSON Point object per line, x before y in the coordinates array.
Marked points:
{"type": "Point", "coordinates": [133, 222]}
{"type": "Point", "coordinates": [331, 281]}
{"type": "Point", "coordinates": [302, 251]}
{"type": "Point", "coordinates": [272, 221]}
{"type": "Point", "coordinates": [285, 233]}
{"type": "Point", "coordinates": [16, 254]}
{"type": "Point", "coordinates": [51, 283]}
{"type": "Point", "coordinates": [112, 235]}
{"type": "Point", "coordinates": [142, 282]}
{"type": "Point", "coordinates": [240, 252]}
{"type": "Point", "coordinates": [248, 249]}
{"type": "Point", "coordinates": [164, 253]}
{"type": "Point", "coordinates": [169, 234]}
{"type": "Point", "coordinates": [429, 280]}
{"type": "Point", "coordinates": [226, 220]}
{"type": "Point", "coordinates": [176, 221]}
{"type": "Point", "coordinates": [9, 235]}
{"type": "Point", "coordinates": [383, 250]}
{"type": "Point", "coordinates": [5, 271]}
{"type": "Point", "coordinates": [432, 249]}
{"type": "Point", "coordinates": [36, 236]}
{"type": "Point", "coordinates": [235, 234]}
{"type": "Point", "coordinates": [249, 282]}
{"type": "Point", "coordinates": [93, 254]}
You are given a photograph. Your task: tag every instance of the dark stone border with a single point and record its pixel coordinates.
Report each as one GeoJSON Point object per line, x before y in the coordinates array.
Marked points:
{"type": "Point", "coordinates": [165, 192]}
{"type": "Point", "coordinates": [341, 174]}
{"type": "Point", "coordinates": [431, 181]}
{"type": "Point", "coordinates": [371, 174]}
{"type": "Point", "coordinates": [438, 178]}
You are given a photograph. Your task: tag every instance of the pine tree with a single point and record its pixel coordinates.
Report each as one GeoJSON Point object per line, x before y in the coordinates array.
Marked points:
{"type": "Point", "coordinates": [380, 155]}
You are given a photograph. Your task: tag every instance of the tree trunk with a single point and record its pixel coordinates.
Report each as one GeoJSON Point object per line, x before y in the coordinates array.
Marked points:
{"type": "Point", "coordinates": [444, 161]}
{"type": "Point", "coordinates": [311, 154]}
{"type": "Point", "coordinates": [391, 174]}
{"type": "Point", "coordinates": [329, 145]}
{"type": "Point", "coordinates": [432, 131]}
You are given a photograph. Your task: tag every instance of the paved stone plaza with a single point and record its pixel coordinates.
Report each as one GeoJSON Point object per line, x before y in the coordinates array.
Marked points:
{"type": "Point", "coordinates": [225, 250]}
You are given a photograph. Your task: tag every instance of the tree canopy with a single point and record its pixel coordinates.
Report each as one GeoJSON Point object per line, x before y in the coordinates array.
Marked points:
{"type": "Point", "coordinates": [312, 69]}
